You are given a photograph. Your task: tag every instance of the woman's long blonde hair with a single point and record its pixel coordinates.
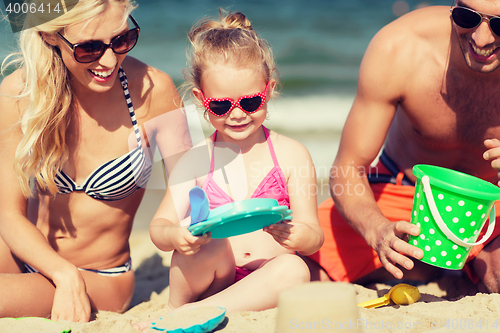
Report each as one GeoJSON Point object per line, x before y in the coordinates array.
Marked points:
{"type": "Point", "coordinates": [230, 39]}
{"type": "Point", "coordinates": [45, 84]}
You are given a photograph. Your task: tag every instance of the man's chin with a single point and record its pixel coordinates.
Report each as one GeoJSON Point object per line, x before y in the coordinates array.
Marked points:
{"type": "Point", "coordinates": [481, 67]}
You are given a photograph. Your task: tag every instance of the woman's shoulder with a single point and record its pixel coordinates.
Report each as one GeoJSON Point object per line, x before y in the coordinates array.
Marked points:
{"type": "Point", "coordinates": [10, 102]}
{"type": "Point", "coordinates": [151, 87]}
{"type": "Point", "coordinates": [140, 74]}
{"type": "Point", "coordinates": [194, 164]}
{"type": "Point", "coordinates": [11, 85]}
{"type": "Point", "coordinates": [11, 108]}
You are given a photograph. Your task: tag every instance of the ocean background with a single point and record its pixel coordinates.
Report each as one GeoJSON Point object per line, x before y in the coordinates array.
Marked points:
{"type": "Point", "coordinates": [318, 46]}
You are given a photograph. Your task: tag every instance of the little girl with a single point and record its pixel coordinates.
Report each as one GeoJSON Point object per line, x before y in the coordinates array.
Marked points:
{"type": "Point", "coordinates": [233, 75]}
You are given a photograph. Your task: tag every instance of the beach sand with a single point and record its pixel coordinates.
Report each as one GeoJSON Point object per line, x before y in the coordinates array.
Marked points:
{"type": "Point", "coordinates": [441, 305]}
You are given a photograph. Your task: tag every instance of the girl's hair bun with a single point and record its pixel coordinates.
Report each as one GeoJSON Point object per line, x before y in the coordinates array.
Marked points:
{"type": "Point", "coordinates": [227, 20]}
{"type": "Point", "coordinates": [235, 21]}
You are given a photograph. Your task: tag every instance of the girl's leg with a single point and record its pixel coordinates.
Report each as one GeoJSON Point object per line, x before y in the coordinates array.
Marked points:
{"type": "Point", "coordinates": [201, 275]}
{"type": "Point", "coordinates": [260, 290]}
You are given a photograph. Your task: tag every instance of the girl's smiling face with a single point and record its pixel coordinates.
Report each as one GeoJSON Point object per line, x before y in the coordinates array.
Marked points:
{"type": "Point", "coordinates": [230, 81]}
{"type": "Point", "coordinates": [100, 75]}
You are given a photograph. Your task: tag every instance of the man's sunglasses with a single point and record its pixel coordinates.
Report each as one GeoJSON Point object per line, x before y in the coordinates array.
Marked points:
{"type": "Point", "coordinates": [221, 106]}
{"type": "Point", "coordinates": [87, 52]}
{"type": "Point", "coordinates": [467, 18]}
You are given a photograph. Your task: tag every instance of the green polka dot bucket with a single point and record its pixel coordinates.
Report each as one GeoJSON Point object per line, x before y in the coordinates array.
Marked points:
{"type": "Point", "coordinates": [450, 208]}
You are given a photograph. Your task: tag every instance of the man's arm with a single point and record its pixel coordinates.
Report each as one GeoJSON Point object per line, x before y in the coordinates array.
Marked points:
{"type": "Point", "coordinates": [381, 87]}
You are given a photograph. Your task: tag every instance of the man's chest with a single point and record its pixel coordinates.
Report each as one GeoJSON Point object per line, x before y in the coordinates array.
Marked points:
{"type": "Point", "coordinates": [454, 112]}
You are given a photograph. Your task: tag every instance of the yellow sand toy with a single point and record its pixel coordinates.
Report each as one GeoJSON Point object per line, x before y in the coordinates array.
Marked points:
{"type": "Point", "coordinates": [401, 294]}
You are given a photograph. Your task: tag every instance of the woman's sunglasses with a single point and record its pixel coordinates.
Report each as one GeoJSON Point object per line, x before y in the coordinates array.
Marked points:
{"type": "Point", "coordinates": [221, 106]}
{"type": "Point", "coordinates": [87, 52]}
{"type": "Point", "coordinates": [467, 18]}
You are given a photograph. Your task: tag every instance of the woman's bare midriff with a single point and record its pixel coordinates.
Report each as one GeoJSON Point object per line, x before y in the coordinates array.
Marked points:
{"type": "Point", "coordinates": [87, 232]}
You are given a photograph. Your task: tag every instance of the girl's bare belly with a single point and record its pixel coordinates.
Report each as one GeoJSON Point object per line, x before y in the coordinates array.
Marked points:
{"type": "Point", "coordinates": [252, 249]}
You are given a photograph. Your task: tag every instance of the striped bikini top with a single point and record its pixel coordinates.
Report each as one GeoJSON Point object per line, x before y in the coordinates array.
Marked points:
{"type": "Point", "coordinates": [118, 178]}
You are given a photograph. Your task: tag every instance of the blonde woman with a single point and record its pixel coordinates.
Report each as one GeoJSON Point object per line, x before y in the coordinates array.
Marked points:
{"type": "Point", "coordinates": [79, 121]}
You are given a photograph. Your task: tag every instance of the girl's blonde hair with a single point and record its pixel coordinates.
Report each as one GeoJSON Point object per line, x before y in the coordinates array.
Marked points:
{"type": "Point", "coordinates": [46, 85]}
{"type": "Point", "coordinates": [229, 39]}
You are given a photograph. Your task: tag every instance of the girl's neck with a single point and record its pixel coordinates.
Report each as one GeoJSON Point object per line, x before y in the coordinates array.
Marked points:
{"type": "Point", "coordinates": [245, 145]}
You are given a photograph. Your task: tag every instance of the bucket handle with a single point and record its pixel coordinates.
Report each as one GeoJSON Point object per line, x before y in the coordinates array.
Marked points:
{"type": "Point", "coordinates": [444, 228]}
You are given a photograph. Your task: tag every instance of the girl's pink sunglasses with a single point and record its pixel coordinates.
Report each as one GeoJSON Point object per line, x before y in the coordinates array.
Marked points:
{"type": "Point", "coordinates": [221, 106]}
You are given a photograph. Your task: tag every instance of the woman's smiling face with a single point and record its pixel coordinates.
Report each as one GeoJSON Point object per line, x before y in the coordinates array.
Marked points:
{"type": "Point", "coordinates": [100, 75]}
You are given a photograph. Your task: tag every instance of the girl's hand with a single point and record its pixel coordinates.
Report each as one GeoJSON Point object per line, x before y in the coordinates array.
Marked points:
{"type": "Point", "coordinates": [290, 235]}
{"type": "Point", "coordinates": [185, 242]}
{"type": "Point", "coordinates": [71, 301]}
{"type": "Point", "coordinates": [493, 154]}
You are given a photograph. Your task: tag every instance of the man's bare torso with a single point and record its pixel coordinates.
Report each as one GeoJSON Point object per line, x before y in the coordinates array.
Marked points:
{"type": "Point", "coordinates": [446, 110]}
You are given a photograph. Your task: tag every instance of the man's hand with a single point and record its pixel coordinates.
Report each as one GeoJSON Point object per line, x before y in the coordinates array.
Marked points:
{"type": "Point", "coordinates": [391, 247]}
{"type": "Point", "coordinates": [493, 154]}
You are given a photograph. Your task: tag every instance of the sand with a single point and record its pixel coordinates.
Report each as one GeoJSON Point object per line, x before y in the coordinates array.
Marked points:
{"type": "Point", "coordinates": [443, 308]}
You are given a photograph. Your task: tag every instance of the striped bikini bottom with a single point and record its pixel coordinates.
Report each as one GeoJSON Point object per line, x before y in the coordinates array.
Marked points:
{"type": "Point", "coordinates": [115, 271]}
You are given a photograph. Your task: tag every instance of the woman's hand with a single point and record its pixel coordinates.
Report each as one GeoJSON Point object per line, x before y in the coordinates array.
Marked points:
{"type": "Point", "coordinates": [71, 301]}
{"type": "Point", "coordinates": [388, 241]}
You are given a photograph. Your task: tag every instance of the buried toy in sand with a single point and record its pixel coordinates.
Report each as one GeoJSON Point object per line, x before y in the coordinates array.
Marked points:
{"type": "Point", "coordinates": [400, 294]}
{"type": "Point", "coordinates": [196, 320]}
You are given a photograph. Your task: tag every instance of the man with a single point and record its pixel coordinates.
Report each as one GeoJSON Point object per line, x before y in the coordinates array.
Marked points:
{"type": "Point", "coordinates": [429, 91]}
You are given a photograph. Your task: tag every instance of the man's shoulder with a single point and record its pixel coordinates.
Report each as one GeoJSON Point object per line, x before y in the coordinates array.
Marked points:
{"type": "Point", "coordinates": [419, 39]}
{"type": "Point", "coordinates": [419, 29]}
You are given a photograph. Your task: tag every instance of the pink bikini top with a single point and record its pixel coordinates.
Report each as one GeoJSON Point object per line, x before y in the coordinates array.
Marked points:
{"type": "Point", "coordinates": [272, 186]}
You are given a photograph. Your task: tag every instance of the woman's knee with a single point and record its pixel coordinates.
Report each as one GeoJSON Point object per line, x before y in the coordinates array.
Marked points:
{"type": "Point", "coordinates": [25, 295]}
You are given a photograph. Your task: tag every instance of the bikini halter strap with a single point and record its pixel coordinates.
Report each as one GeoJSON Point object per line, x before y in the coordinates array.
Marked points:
{"type": "Point", "coordinates": [269, 143]}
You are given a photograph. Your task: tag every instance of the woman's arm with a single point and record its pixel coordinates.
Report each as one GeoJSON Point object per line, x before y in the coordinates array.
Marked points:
{"type": "Point", "coordinates": [163, 116]}
{"type": "Point", "coordinates": [71, 301]}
